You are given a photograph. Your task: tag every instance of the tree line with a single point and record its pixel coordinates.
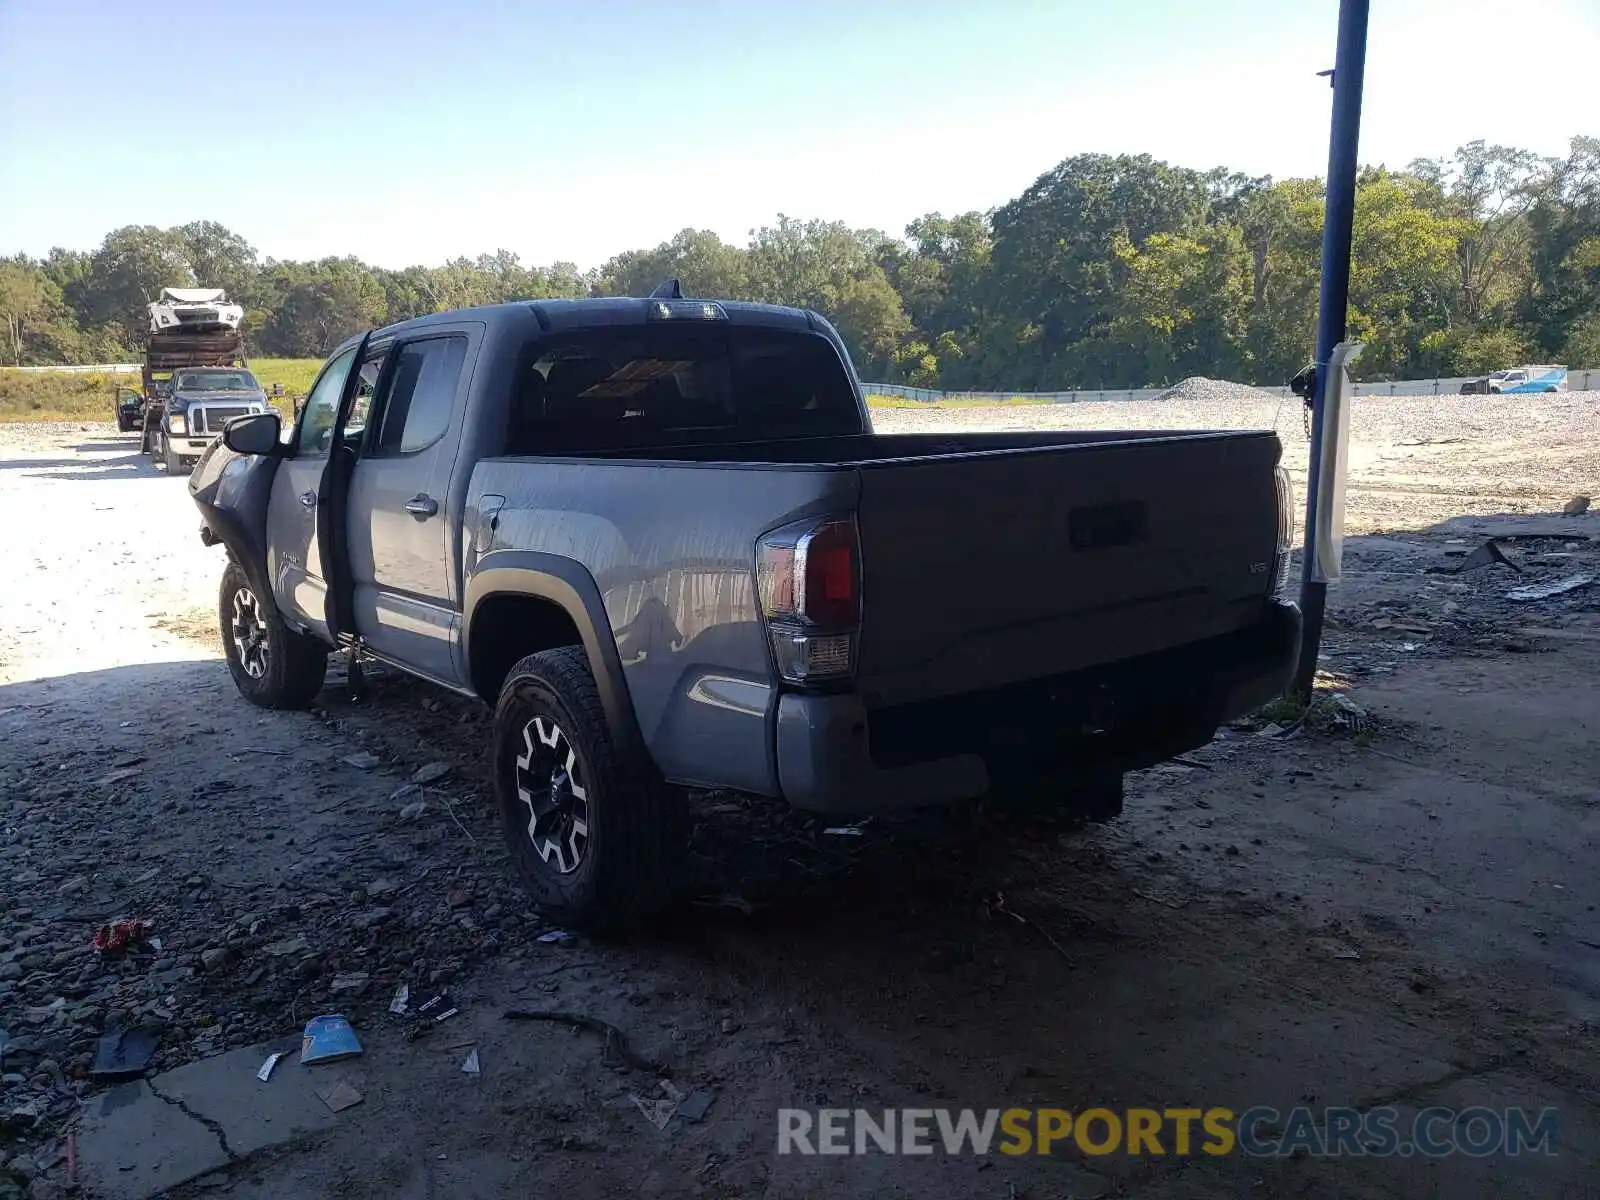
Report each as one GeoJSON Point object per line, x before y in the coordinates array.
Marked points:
{"type": "Point", "coordinates": [1109, 271]}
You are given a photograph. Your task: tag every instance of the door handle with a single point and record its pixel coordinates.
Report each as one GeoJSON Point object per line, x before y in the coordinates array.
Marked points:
{"type": "Point", "coordinates": [309, 499]}
{"type": "Point", "coordinates": [422, 507]}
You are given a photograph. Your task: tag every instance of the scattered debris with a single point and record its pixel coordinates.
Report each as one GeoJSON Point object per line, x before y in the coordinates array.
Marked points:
{"type": "Point", "coordinates": [350, 981]}
{"type": "Point", "coordinates": [430, 773]}
{"type": "Point", "coordinates": [556, 937]}
{"type": "Point", "coordinates": [843, 831]}
{"type": "Point", "coordinates": [1486, 554]}
{"type": "Point", "coordinates": [1544, 591]}
{"type": "Point", "coordinates": [265, 1073]}
{"type": "Point", "coordinates": [658, 1112]}
{"type": "Point", "coordinates": [1336, 710]}
{"type": "Point", "coordinates": [998, 905]}
{"type": "Point", "coordinates": [340, 1097]}
{"type": "Point", "coordinates": [364, 761]}
{"type": "Point", "coordinates": [696, 1104]}
{"type": "Point", "coordinates": [124, 1054]}
{"type": "Point", "coordinates": [413, 810]}
{"type": "Point", "coordinates": [119, 935]}
{"type": "Point", "coordinates": [430, 1012]}
{"type": "Point", "coordinates": [472, 1066]}
{"type": "Point", "coordinates": [328, 1039]}
{"type": "Point", "coordinates": [1337, 950]}
{"type": "Point", "coordinates": [1575, 507]}
{"type": "Point", "coordinates": [615, 1041]}
{"type": "Point", "coordinates": [117, 776]}
{"type": "Point", "coordinates": [402, 997]}
{"type": "Point", "coordinates": [691, 1106]}
{"type": "Point", "coordinates": [294, 945]}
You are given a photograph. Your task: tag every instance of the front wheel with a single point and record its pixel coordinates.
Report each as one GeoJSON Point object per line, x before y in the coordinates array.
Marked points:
{"type": "Point", "coordinates": [170, 459]}
{"type": "Point", "coordinates": [271, 664]}
{"type": "Point", "coordinates": [595, 832]}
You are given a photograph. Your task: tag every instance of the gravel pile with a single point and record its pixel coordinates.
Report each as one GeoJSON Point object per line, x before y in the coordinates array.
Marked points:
{"type": "Point", "coordinates": [1197, 389]}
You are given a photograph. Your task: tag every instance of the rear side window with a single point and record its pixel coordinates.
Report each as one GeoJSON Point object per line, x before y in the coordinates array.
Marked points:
{"type": "Point", "coordinates": [669, 385]}
{"type": "Point", "coordinates": [422, 395]}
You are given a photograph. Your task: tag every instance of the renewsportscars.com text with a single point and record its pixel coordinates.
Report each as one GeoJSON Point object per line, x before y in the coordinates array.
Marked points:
{"type": "Point", "coordinates": [1180, 1132]}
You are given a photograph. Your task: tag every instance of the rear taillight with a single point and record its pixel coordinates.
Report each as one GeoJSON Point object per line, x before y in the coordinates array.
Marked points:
{"type": "Point", "coordinates": [808, 579]}
{"type": "Point", "coordinates": [1280, 573]}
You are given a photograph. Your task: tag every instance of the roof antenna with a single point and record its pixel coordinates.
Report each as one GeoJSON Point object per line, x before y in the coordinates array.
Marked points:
{"type": "Point", "coordinates": [670, 290]}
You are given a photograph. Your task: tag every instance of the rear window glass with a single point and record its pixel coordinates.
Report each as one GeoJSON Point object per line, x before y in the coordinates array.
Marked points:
{"type": "Point", "coordinates": [674, 385]}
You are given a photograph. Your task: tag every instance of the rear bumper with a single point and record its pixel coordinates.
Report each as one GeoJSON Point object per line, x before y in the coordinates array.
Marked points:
{"type": "Point", "coordinates": [833, 756]}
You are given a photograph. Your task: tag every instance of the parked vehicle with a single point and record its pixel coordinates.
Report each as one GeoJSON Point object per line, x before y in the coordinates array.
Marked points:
{"type": "Point", "coordinates": [164, 354]}
{"type": "Point", "coordinates": [129, 407]}
{"type": "Point", "coordinates": [660, 537]}
{"type": "Point", "coordinates": [1519, 379]}
{"type": "Point", "coordinates": [198, 403]}
{"type": "Point", "coordinates": [194, 310]}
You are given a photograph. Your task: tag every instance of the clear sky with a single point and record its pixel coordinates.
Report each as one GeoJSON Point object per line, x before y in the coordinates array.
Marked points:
{"type": "Point", "coordinates": [409, 131]}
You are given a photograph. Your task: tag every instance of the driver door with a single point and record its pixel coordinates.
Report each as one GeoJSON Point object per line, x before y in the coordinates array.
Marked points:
{"type": "Point", "coordinates": [294, 561]}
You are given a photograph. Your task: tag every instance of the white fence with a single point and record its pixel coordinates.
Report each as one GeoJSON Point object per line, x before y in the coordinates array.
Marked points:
{"type": "Point", "coordinates": [97, 369]}
{"type": "Point", "coordinates": [1577, 381]}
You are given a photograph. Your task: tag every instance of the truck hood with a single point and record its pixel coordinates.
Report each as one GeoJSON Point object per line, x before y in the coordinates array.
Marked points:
{"type": "Point", "coordinates": [184, 399]}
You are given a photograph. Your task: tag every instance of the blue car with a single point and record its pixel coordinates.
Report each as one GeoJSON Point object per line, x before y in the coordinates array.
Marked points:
{"type": "Point", "coordinates": [1528, 379]}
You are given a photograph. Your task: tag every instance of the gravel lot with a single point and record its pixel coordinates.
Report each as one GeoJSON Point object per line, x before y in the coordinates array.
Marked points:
{"type": "Point", "coordinates": [1413, 461]}
{"type": "Point", "coordinates": [1405, 916]}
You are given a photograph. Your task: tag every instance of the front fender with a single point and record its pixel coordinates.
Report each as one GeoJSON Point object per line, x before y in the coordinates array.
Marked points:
{"type": "Point", "coordinates": [231, 491]}
{"type": "Point", "coordinates": [567, 583]}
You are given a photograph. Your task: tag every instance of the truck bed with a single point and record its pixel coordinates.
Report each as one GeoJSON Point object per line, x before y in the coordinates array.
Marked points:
{"type": "Point", "coordinates": [861, 450]}
{"type": "Point", "coordinates": [989, 558]}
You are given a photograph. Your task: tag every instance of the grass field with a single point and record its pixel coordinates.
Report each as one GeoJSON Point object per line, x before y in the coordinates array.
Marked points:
{"type": "Point", "coordinates": [64, 396]}
{"type": "Point", "coordinates": [51, 396]}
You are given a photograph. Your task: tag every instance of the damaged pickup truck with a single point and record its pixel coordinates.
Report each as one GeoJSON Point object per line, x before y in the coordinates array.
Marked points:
{"type": "Point", "coordinates": [660, 537]}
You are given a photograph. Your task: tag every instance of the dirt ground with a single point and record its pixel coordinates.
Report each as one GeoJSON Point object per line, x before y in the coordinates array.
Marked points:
{"type": "Point", "coordinates": [1396, 907]}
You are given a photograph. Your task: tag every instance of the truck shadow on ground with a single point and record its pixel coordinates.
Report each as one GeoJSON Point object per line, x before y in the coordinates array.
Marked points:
{"type": "Point", "coordinates": [128, 466]}
{"type": "Point", "coordinates": [1337, 918]}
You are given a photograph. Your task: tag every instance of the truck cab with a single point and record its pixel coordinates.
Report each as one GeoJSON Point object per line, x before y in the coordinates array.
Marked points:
{"type": "Point", "coordinates": [198, 402]}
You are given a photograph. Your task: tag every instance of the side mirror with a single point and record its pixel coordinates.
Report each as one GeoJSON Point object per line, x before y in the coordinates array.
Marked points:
{"type": "Point", "coordinates": [257, 433]}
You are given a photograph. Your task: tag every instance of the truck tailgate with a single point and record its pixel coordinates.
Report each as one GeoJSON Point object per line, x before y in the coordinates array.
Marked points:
{"type": "Point", "coordinates": [982, 569]}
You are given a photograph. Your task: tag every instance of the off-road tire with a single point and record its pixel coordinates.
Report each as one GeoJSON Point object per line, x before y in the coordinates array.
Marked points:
{"type": "Point", "coordinates": [635, 824]}
{"type": "Point", "coordinates": [290, 672]}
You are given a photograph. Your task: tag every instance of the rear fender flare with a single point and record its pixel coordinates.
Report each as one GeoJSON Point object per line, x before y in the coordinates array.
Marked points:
{"type": "Point", "coordinates": [567, 584]}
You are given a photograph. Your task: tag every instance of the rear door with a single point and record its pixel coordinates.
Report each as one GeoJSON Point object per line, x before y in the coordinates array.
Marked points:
{"type": "Point", "coordinates": [404, 590]}
{"type": "Point", "coordinates": [980, 570]}
{"type": "Point", "coordinates": [294, 561]}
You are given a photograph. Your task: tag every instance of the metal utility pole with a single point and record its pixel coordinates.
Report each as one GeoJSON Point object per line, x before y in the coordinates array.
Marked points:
{"type": "Point", "coordinates": [1338, 221]}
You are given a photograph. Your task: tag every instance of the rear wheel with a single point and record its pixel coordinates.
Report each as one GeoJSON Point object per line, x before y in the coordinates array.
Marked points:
{"type": "Point", "coordinates": [271, 664]}
{"type": "Point", "coordinates": [595, 832]}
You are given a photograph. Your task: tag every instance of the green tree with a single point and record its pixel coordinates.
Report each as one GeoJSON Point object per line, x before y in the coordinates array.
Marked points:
{"type": "Point", "coordinates": [127, 272]}
{"type": "Point", "coordinates": [22, 302]}
{"type": "Point", "coordinates": [702, 262]}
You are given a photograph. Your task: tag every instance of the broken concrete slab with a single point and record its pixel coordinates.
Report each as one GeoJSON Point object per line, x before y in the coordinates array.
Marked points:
{"type": "Point", "coordinates": [1523, 525]}
{"type": "Point", "coordinates": [140, 1139]}
{"type": "Point", "coordinates": [131, 1144]}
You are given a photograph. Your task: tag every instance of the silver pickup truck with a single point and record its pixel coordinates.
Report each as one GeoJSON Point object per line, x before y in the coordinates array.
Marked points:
{"type": "Point", "coordinates": [660, 536]}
